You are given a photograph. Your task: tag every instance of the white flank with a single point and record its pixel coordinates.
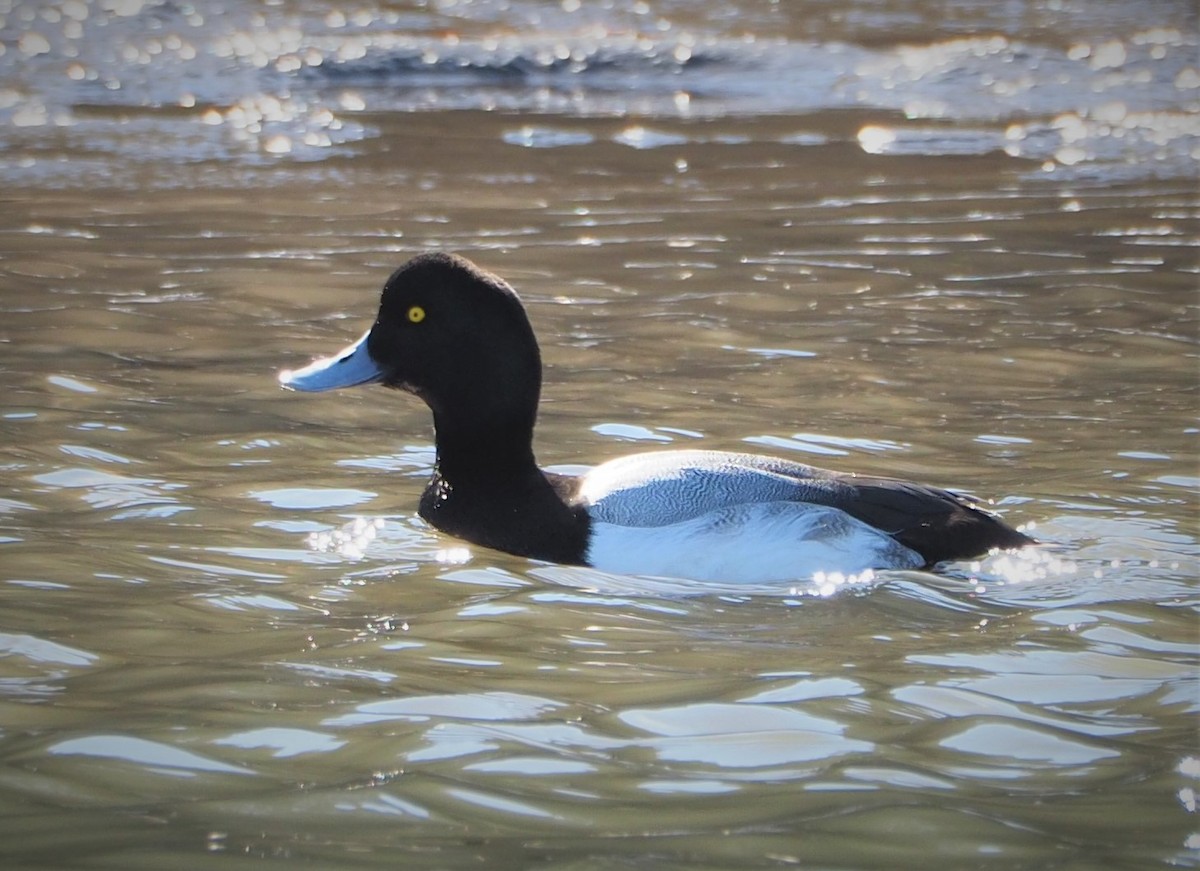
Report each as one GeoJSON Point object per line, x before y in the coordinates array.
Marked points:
{"type": "Point", "coordinates": [757, 543]}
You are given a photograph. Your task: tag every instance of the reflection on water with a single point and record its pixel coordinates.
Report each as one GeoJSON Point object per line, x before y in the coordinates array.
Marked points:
{"type": "Point", "coordinates": [1119, 98]}
{"type": "Point", "coordinates": [956, 245]}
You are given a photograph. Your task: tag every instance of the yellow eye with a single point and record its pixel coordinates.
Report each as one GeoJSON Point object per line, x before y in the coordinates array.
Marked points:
{"type": "Point", "coordinates": [416, 314]}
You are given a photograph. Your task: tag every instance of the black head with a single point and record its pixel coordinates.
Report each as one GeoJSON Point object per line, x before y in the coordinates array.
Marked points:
{"type": "Point", "coordinates": [454, 335]}
{"type": "Point", "coordinates": [458, 337]}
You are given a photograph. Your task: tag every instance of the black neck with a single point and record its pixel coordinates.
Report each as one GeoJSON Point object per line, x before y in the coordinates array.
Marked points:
{"type": "Point", "coordinates": [501, 453]}
{"type": "Point", "coordinates": [487, 488]}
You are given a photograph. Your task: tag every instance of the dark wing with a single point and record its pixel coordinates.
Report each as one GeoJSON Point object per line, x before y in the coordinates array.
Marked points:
{"type": "Point", "coordinates": [937, 524]}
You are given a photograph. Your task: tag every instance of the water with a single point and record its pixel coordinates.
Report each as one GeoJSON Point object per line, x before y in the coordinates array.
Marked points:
{"type": "Point", "coordinates": [953, 245]}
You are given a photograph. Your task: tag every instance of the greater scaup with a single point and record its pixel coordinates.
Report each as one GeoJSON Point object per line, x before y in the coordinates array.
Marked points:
{"type": "Point", "coordinates": [458, 337]}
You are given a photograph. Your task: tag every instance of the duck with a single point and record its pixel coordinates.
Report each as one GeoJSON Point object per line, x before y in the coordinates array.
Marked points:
{"type": "Point", "coordinates": [458, 337]}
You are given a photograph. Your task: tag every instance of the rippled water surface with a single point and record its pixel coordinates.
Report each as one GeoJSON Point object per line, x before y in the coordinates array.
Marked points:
{"type": "Point", "coordinates": [957, 244]}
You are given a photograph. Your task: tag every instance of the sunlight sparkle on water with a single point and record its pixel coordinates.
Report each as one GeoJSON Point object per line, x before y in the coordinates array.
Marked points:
{"type": "Point", "coordinates": [349, 540]}
{"type": "Point", "coordinates": [1022, 566]}
{"type": "Point", "coordinates": [453, 556]}
{"type": "Point", "coordinates": [825, 584]}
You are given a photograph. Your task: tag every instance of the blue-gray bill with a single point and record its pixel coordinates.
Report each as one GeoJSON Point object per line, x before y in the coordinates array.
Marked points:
{"type": "Point", "coordinates": [351, 366]}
